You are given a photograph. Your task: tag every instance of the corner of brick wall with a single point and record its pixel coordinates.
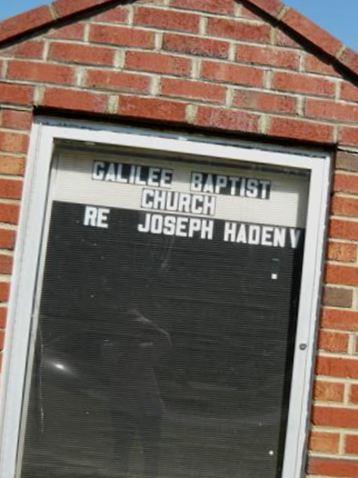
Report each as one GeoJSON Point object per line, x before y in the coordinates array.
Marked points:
{"type": "Point", "coordinates": [215, 65]}
{"type": "Point", "coordinates": [334, 435]}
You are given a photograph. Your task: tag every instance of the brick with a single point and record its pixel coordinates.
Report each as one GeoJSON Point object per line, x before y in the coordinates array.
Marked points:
{"type": "Point", "coordinates": [15, 94]}
{"type": "Point", "coordinates": [267, 56]}
{"type": "Point", "coordinates": [81, 54]}
{"type": "Point", "coordinates": [342, 206]}
{"type": "Point", "coordinates": [117, 81]}
{"type": "Point", "coordinates": [75, 100]}
{"type": "Point", "coordinates": [74, 31]}
{"type": "Point", "coordinates": [328, 391]}
{"type": "Point", "coordinates": [283, 39]}
{"type": "Point", "coordinates": [114, 15]}
{"type": "Point", "coordinates": [41, 72]}
{"type": "Point", "coordinates": [32, 49]}
{"type": "Point", "coordinates": [121, 36]}
{"type": "Point", "coordinates": [10, 188]}
{"type": "Point", "coordinates": [347, 161]}
{"type": "Point", "coordinates": [255, 100]}
{"type": "Point", "coordinates": [7, 239]}
{"type": "Point", "coordinates": [25, 22]}
{"type": "Point", "coordinates": [234, 74]}
{"type": "Point", "coordinates": [211, 6]}
{"type": "Point", "coordinates": [13, 142]}
{"type": "Point", "coordinates": [238, 30]}
{"type": "Point", "coordinates": [226, 119]}
{"type": "Point", "coordinates": [14, 119]}
{"type": "Point", "coordinates": [192, 45]}
{"type": "Point", "coordinates": [354, 394]}
{"type": "Point", "coordinates": [65, 8]}
{"type": "Point", "coordinates": [303, 130]}
{"type": "Point", "coordinates": [349, 92]}
{"type": "Point", "coordinates": [247, 12]}
{"type": "Point", "coordinates": [351, 445]}
{"type": "Point", "coordinates": [340, 251]}
{"type": "Point", "coordinates": [157, 63]}
{"type": "Point", "coordinates": [3, 312]}
{"type": "Point", "coordinates": [337, 297]}
{"type": "Point", "coordinates": [5, 264]}
{"type": "Point", "coordinates": [337, 367]}
{"type": "Point", "coordinates": [312, 32]}
{"type": "Point", "coordinates": [340, 319]}
{"type": "Point", "coordinates": [331, 110]}
{"type": "Point", "coordinates": [4, 291]}
{"type": "Point", "coordinates": [312, 64]}
{"type": "Point", "coordinates": [9, 213]}
{"type": "Point", "coordinates": [343, 230]}
{"type": "Point", "coordinates": [11, 165]}
{"type": "Point", "coordinates": [196, 90]}
{"type": "Point", "coordinates": [152, 109]}
{"type": "Point", "coordinates": [346, 183]}
{"type": "Point", "coordinates": [2, 340]}
{"type": "Point", "coordinates": [301, 83]}
{"type": "Point", "coordinates": [338, 468]}
{"type": "Point", "coordinates": [349, 58]}
{"type": "Point", "coordinates": [166, 20]}
{"type": "Point", "coordinates": [344, 275]}
{"type": "Point", "coordinates": [333, 341]}
{"type": "Point", "coordinates": [348, 136]}
{"type": "Point", "coordinates": [271, 7]}
{"type": "Point", "coordinates": [324, 442]}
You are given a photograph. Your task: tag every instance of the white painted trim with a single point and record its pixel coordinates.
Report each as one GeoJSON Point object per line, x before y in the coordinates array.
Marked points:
{"type": "Point", "coordinates": [21, 301]}
{"type": "Point", "coordinates": [299, 411]}
{"type": "Point", "coordinates": [20, 330]}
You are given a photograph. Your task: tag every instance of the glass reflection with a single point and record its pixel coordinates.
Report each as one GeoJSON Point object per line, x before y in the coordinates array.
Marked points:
{"type": "Point", "coordinates": [134, 399]}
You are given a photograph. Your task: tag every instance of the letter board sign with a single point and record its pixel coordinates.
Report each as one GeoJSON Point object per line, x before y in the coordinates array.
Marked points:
{"type": "Point", "coordinates": [167, 319]}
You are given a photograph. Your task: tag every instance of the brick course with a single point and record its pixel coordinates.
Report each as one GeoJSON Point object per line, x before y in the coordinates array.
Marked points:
{"type": "Point", "coordinates": [328, 391]}
{"type": "Point", "coordinates": [223, 66]}
{"type": "Point", "coordinates": [193, 45]}
{"type": "Point", "coordinates": [337, 297]}
{"type": "Point", "coordinates": [324, 442]}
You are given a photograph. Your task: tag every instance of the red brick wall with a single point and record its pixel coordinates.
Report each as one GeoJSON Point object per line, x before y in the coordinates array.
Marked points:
{"type": "Point", "coordinates": [220, 66]}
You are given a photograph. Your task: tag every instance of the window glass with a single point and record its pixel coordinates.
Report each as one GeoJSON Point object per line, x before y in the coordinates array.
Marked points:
{"type": "Point", "coordinates": [168, 310]}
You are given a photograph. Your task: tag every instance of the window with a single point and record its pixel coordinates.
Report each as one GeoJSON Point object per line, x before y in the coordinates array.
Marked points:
{"type": "Point", "coordinates": [168, 330]}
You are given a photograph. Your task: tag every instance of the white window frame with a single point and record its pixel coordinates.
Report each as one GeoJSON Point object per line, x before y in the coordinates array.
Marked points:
{"type": "Point", "coordinates": [22, 300]}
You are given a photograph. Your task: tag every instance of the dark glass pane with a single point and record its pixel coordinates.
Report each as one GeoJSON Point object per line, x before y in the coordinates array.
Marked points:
{"type": "Point", "coordinates": [160, 356]}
